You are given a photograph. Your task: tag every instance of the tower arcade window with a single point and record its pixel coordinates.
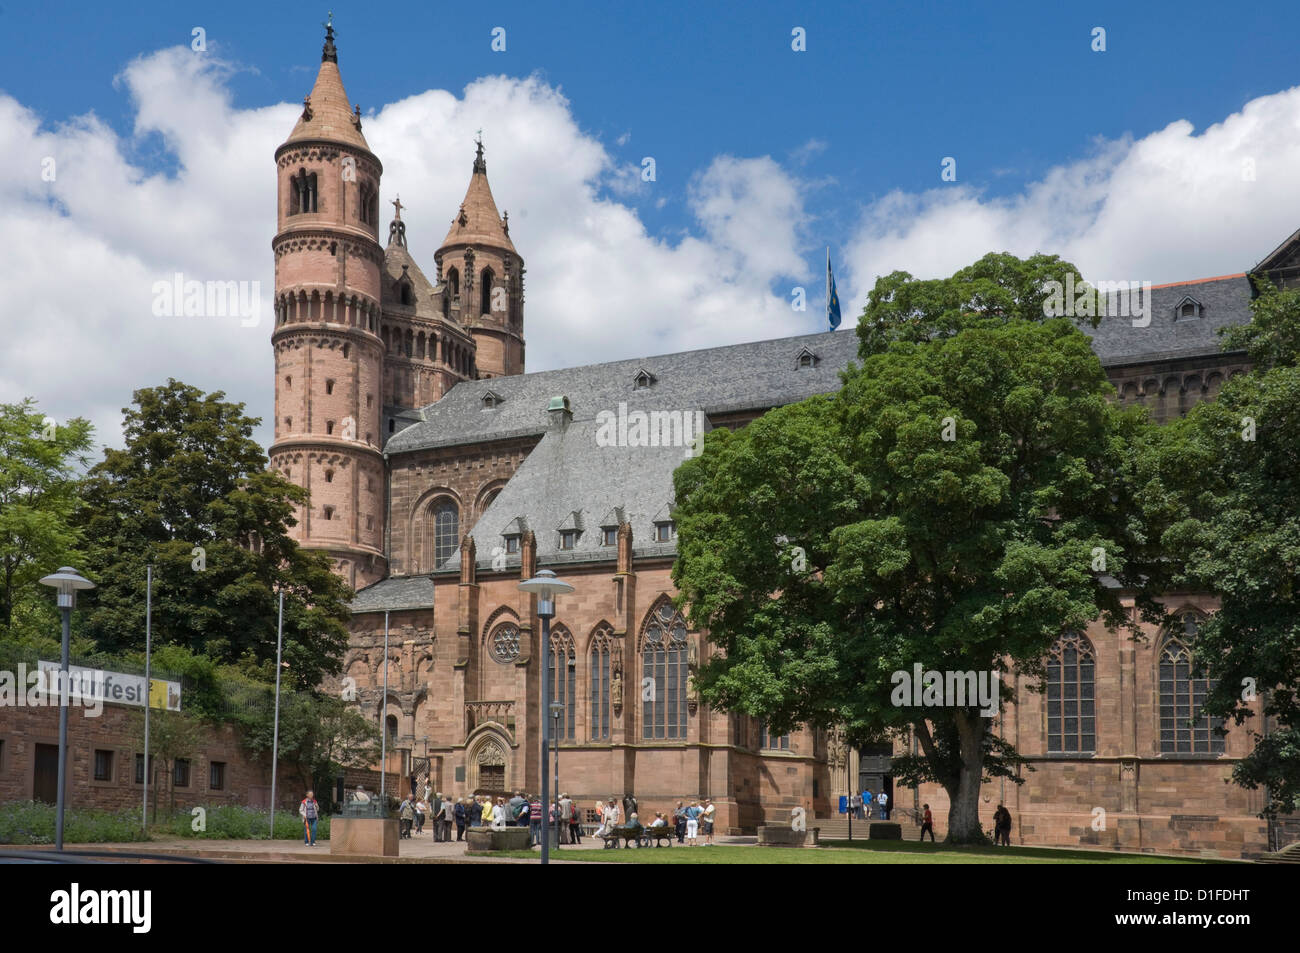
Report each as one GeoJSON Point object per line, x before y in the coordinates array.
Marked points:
{"type": "Point", "coordinates": [453, 283]}
{"type": "Point", "coordinates": [485, 291]}
{"type": "Point", "coordinates": [302, 192]}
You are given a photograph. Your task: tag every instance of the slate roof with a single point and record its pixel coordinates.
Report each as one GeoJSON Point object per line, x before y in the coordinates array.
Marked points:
{"type": "Point", "coordinates": [568, 472]}
{"type": "Point", "coordinates": [395, 593]}
{"type": "Point", "coordinates": [761, 374]}
{"type": "Point", "coordinates": [1224, 301]}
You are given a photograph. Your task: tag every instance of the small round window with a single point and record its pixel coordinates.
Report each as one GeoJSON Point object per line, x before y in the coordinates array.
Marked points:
{"type": "Point", "coordinates": [505, 643]}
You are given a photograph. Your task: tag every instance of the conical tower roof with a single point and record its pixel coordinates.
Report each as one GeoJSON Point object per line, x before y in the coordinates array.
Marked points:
{"type": "Point", "coordinates": [398, 264]}
{"type": "Point", "coordinates": [332, 117]}
{"type": "Point", "coordinates": [478, 222]}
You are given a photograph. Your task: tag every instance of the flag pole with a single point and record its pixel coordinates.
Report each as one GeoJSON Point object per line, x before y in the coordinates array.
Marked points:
{"type": "Point", "coordinates": [148, 690]}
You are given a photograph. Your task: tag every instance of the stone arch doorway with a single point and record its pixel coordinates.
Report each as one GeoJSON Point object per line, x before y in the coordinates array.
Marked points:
{"type": "Point", "coordinates": [489, 765]}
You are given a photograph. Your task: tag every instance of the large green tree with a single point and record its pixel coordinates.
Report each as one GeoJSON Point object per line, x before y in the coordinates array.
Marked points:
{"type": "Point", "coordinates": [952, 507]}
{"type": "Point", "coordinates": [40, 462]}
{"type": "Point", "coordinates": [1226, 483]}
{"type": "Point", "coordinates": [191, 494]}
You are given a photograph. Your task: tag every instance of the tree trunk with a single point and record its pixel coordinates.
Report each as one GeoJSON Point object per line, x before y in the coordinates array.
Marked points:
{"type": "Point", "coordinates": [963, 815]}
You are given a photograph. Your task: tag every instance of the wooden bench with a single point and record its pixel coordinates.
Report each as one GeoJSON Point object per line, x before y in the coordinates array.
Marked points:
{"type": "Point", "coordinates": [657, 834]}
{"type": "Point", "coordinates": [642, 836]}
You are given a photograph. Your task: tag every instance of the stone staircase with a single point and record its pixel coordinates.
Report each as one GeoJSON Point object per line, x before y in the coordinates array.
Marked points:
{"type": "Point", "coordinates": [1287, 855]}
{"type": "Point", "coordinates": [837, 828]}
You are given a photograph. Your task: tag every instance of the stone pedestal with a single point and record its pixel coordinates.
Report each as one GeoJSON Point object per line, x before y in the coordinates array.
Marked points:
{"type": "Point", "coordinates": [482, 840]}
{"type": "Point", "coordinates": [363, 836]}
{"type": "Point", "coordinates": [773, 836]}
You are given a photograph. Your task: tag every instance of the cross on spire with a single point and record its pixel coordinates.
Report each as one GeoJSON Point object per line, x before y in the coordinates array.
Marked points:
{"type": "Point", "coordinates": [397, 208]}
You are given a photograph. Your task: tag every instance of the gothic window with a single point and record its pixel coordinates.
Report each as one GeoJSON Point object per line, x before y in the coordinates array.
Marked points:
{"type": "Point", "coordinates": [1071, 705]}
{"type": "Point", "coordinates": [504, 643]}
{"type": "Point", "coordinates": [1183, 730]}
{"type": "Point", "coordinates": [772, 742]}
{"type": "Point", "coordinates": [453, 283]}
{"type": "Point", "coordinates": [485, 292]}
{"type": "Point", "coordinates": [663, 662]}
{"type": "Point", "coordinates": [564, 682]}
{"type": "Point", "coordinates": [599, 658]}
{"type": "Point", "coordinates": [446, 529]}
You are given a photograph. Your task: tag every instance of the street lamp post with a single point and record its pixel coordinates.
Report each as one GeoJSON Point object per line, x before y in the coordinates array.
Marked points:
{"type": "Point", "coordinates": [66, 581]}
{"type": "Point", "coordinates": [545, 585]}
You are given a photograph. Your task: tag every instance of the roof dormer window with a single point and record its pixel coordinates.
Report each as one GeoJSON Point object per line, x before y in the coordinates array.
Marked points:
{"type": "Point", "coordinates": [643, 379]}
{"type": "Point", "coordinates": [490, 400]}
{"type": "Point", "coordinates": [805, 358]}
{"type": "Point", "coordinates": [665, 531]}
{"type": "Point", "coordinates": [1189, 307]}
{"type": "Point", "coordinates": [512, 543]}
{"type": "Point", "coordinates": [568, 538]}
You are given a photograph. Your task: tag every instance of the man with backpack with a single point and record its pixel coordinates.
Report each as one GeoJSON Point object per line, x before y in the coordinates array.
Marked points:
{"type": "Point", "coordinates": [309, 811]}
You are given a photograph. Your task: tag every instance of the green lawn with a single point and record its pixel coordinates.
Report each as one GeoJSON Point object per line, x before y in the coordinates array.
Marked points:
{"type": "Point", "coordinates": [858, 852]}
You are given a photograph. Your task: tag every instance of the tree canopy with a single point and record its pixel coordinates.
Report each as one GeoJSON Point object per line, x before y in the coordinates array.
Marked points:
{"type": "Point", "coordinates": [957, 505]}
{"type": "Point", "coordinates": [191, 494]}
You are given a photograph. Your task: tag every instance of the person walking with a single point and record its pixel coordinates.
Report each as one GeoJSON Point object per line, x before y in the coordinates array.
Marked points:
{"type": "Point", "coordinates": [927, 823]}
{"type": "Point", "coordinates": [679, 822]}
{"type": "Point", "coordinates": [407, 814]}
{"type": "Point", "coordinates": [459, 814]}
{"type": "Point", "coordinates": [575, 822]}
{"type": "Point", "coordinates": [309, 811]}
{"type": "Point", "coordinates": [566, 819]}
{"type": "Point", "coordinates": [883, 800]}
{"type": "Point", "coordinates": [868, 803]}
{"type": "Point", "coordinates": [535, 821]}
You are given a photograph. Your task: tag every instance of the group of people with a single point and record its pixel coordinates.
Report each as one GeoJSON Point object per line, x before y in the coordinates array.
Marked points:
{"type": "Point", "coordinates": [689, 823]}
{"type": "Point", "coordinates": [414, 811]}
{"type": "Point", "coordinates": [863, 803]}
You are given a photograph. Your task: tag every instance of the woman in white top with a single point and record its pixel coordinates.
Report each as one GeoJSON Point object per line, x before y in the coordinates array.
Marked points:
{"type": "Point", "coordinates": [498, 815]}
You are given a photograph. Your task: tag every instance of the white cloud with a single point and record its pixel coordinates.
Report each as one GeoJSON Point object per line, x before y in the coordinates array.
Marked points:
{"type": "Point", "coordinates": [79, 256]}
{"type": "Point", "coordinates": [1171, 206]}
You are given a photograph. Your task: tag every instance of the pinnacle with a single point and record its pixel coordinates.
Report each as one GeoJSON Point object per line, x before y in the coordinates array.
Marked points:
{"type": "Point", "coordinates": [327, 114]}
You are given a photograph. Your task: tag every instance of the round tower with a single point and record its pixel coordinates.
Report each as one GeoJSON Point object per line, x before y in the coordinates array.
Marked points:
{"type": "Point", "coordinates": [328, 354]}
{"type": "Point", "coordinates": [482, 277]}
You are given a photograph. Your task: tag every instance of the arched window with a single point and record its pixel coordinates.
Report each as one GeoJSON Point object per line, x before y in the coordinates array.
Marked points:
{"type": "Point", "coordinates": [390, 723]}
{"type": "Point", "coordinates": [599, 659]}
{"type": "Point", "coordinates": [453, 283]}
{"type": "Point", "coordinates": [302, 192]}
{"type": "Point", "coordinates": [446, 531]}
{"type": "Point", "coordinates": [564, 682]}
{"type": "Point", "coordinates": [485, 292]}
{"type": "Point", "coordinates": [1183, 730]}
{"type": "Point", "coordinates": [503, 643]}
{"type": "Point", "coordinates": [1071, 705]}
{"type": "Point", "coordinates": [663, 662]}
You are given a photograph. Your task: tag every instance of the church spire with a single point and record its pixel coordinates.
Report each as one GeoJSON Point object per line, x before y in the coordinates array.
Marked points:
{"type": "Point", "coordinates": [329, 54]}
{"type": "Point", "coordinates": [479, 165]}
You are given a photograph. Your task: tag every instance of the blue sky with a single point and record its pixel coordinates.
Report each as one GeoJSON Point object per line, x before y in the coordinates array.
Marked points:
{"type": "Point", "coordinates": [1172, 155]}
{"type": "Point", "coordinates": [1009, 89]}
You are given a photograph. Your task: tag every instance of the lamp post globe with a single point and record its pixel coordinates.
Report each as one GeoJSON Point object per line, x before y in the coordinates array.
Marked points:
{"type": "Point", "coordinates": [65, 582]}
{"type": "Point", "coordinates": [545, 586]}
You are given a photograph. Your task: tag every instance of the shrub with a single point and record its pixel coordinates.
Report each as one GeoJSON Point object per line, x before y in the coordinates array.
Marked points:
{"type": "Point", "coordinates": [233, 822]}
{"type": "Point", "coordinates": [32, 822]}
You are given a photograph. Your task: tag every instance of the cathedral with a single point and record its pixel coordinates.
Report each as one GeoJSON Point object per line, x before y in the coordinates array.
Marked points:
{"type": "Point", "coordinates": [441, 475]}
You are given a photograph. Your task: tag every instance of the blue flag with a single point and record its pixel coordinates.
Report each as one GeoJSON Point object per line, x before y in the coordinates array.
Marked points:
{"type": "Point", "coordinates": [832, 299]}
